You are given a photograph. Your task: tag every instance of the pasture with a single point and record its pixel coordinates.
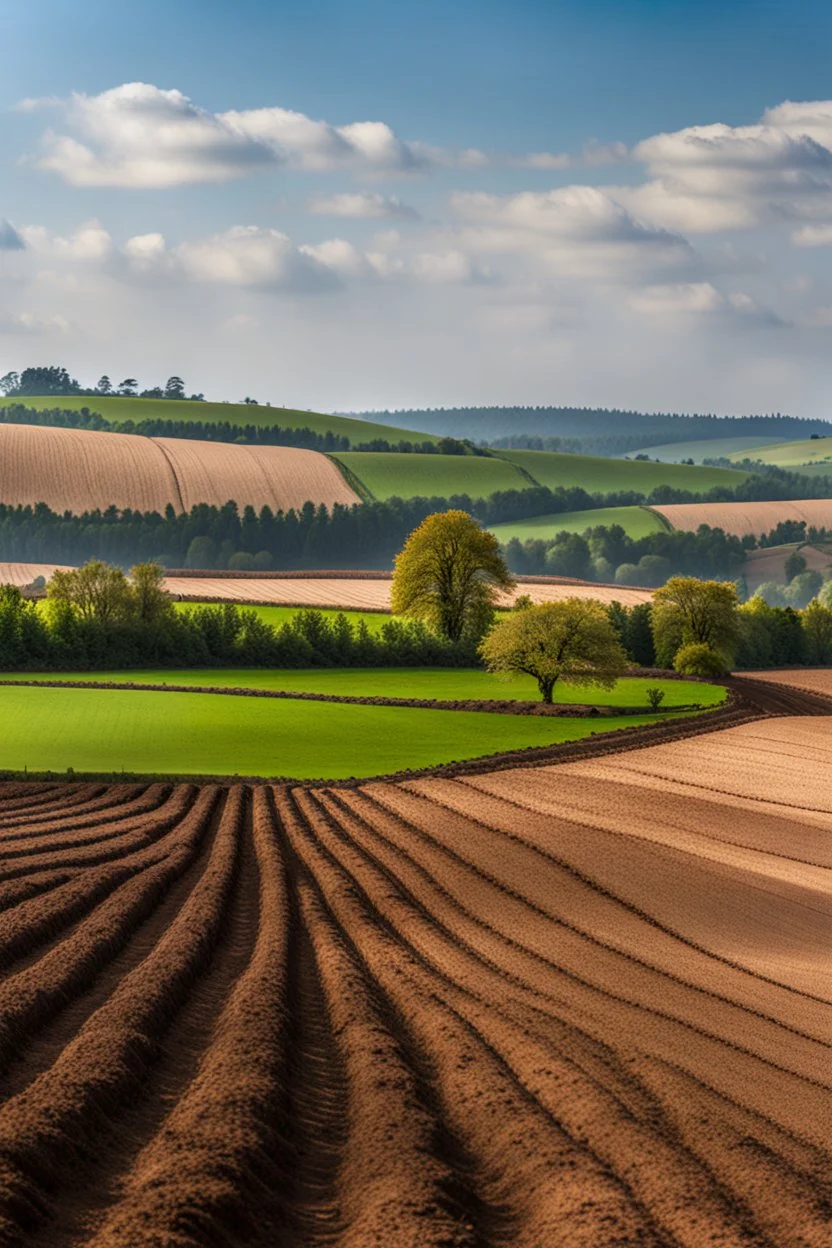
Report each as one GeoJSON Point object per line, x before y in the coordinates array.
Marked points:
{"type": "Point", "coordinates": [795, 454]}
{"type": "Point", "coordinates": [94, 730]}
{"type": "Point", "coordinates": [707, 448]}
{"type": "Point", "coordinates": [444, 684]}
{"type": "Point", "coordinates": [119, 409]}
{"type": "Point", "coordinates": [600, 475]}
{"type": "Point", "coordinates": [398, 475]}
{"type": "Point", "coordinates": [635, 521]}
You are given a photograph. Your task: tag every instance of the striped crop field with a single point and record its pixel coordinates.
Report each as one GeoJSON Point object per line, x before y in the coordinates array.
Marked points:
{"type": "Point", "coordinates": [743, 519]}
{"type": "Point", "coordinates": [586, 1004]}
{"type": "Point", "coordinates": [78, 470]}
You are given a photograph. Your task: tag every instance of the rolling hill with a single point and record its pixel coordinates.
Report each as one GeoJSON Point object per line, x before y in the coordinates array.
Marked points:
{"type": "Point", "coordinates": [748, 518]}
{"type": "Point", "coordinates": [393, 475]}
{"type": "Point", "coordinates": [599, 475]}
{"type": "Point", "coordinates": [117, 409]}
{"type": "Point", "coordinates": [77, 470]}
{"type": "Point", "coordinates": [807, 451]}
{"type": "Point", "coordinates": [709, 448]}
{"type": "Point", "coordinates": [635, 521]}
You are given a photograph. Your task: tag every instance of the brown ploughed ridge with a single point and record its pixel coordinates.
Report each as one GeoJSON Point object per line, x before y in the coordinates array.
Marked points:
{"type": "Point", "coordinates": [584, 1005]}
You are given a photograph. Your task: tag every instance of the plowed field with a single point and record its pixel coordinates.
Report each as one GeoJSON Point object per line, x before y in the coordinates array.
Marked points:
{"type": "Point", "coordinates": [585, 1005]}
{"type": "Point", "coordinates": [77, 470]}
{"type": "Point", "coordinates": [747, 518]}
{"type": "Point", "coordinates": [369, 595]}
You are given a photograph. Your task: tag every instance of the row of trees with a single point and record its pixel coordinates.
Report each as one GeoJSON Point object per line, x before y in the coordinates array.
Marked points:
{"type": "Point", "coordinates": [54, 380]}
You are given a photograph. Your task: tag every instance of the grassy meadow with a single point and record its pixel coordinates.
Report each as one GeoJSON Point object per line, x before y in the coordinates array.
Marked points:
{"type": "Point", "coordinates": [93, 730]}
{"type": "Point", "coordinates": [635, 521]}
{"type": "Point", "coordinates": [396, 475]}
{"type": "Point", "coordinates": [449, 684]}
{"type": "Point", "coordinates": [794, 454]}
{"type": "Point", "coordinates": [599, 475]}
{"type": "Point", "coordinates": [707, 448]}
{"type": "Point", "coordinates": [116, 409]}
{"type": "Point", "coordinates": [276, 616]}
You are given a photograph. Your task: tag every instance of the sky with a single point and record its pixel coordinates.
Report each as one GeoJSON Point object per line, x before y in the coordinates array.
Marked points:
{"type": "Point", "coordinates": [617, 203]}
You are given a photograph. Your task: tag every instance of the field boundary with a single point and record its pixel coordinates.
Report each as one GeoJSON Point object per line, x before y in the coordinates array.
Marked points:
{"type": "Point", "coordinates": [489, 706]}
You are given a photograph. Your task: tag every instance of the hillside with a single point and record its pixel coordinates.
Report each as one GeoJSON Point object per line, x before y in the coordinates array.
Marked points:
{"type": "Point", "coordinates": [635, 521]}
{"type": "Point", "coordinates": [77, 470]}
{"type": "Point", "coordinates": [394, 475]}
{"type": "Point", "coordinates": [599, 475]}
{"type": "Point", "coordinates": [807, 451]}
{"type": "Point", "coordinates": [708, 448]}
{"type": "Point", "coordinates": [116, 409]}
{"type": "Point", "coordinates": [748, 518]}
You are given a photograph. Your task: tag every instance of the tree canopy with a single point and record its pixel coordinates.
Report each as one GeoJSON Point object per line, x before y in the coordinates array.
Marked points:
{"type": "Point", "coordinates": [687, 611]}
{"type": "Point", "coordinates": [448, 575]}
{"type": "Point", "coordinates": [573, 641]}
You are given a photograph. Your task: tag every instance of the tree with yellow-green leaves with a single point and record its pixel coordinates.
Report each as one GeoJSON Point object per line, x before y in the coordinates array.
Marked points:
{"type": "Point", "coordinates": [449, 574]}
{"type": "Point", "coordinates": [572, 641]}
{"type": "Point", "coordinates": [687, 611]}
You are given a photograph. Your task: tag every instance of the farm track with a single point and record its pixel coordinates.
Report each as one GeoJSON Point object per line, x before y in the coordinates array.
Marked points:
{"type": "Point", "coordinates": [586, 1004]}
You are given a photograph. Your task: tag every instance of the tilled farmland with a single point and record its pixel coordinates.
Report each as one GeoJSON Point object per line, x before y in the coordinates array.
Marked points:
{"type": "Point", "coordinates": [585, 1004]}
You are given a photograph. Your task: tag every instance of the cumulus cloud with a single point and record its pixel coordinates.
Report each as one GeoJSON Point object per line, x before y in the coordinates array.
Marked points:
{"type": "Point", "coordinates": [89, 243]}
{"type": "Point", "coordinates": [699, 298]}
{"type": "Point", "coordinates": [141, 135]}
{"type": "Point", "coordinates": [576, 231]}
{"type": "Point", "coordinates": [367, 205]}
{"type": "Point", "coordinates": [721, 177]}
{"type": "Point", "coordinates": [10, 239]}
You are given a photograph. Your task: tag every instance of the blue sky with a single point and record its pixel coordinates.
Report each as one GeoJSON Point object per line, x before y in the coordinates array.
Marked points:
{"type": "Point", "coordinates": [537, 217]}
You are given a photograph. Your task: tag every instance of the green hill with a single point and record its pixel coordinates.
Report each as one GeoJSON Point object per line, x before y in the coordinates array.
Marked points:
{"type": "Point", "coordinates": [814, 451]}
{"type": "Point", "coordinates": [707, 448]}
{"type": "Point", "coordinates": [396, 475]}
{"type": "Point", "coordinates": [636, 522]}
{"type": "Point", "coordinates": [599, 475]}
{"type": "Point", "coordinates": [118, 410]}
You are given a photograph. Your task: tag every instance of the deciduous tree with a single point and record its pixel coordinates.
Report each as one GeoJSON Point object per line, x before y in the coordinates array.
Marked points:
{"type": "Point", "coordinates": [573, 641]}
{"type": "Point", "coordinates": [689, 611]}
{"type": "Point", "coordinates": [448, 575]}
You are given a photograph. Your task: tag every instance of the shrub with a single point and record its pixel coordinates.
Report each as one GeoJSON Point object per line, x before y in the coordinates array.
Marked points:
{"type": "Point", "coordinates": [699, 659]}
{"type": "Point", "coordinates": [655, 697]}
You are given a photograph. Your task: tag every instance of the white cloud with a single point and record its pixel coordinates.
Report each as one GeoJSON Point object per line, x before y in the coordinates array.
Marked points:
{"type": "Point", "coordinates": [700, 298]}
{"type": "Point", "coordinates": [447, 266]}
{"type": "Point", "coordinates": [247, 255]}
{"type": "Point", "coordinates": [576, 231]}
{"type": "Point", "coordinates": [89, 243]}
{"type": "Point", "coordinates": [368, 205]}
{"type": "Point", "coordinates": [813, 236]}
{"type": "Point", "coordinates": [10, 239]}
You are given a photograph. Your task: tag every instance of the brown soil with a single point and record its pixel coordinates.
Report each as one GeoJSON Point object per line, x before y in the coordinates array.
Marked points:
{"type": "Point", "coordinates": [584, 1005]}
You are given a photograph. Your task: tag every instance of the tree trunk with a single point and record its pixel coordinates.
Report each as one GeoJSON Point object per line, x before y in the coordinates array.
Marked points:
{"type": "Point", "coordinates": [546, 688]}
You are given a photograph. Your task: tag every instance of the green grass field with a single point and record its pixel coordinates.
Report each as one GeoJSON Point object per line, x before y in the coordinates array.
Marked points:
{"type": "Point", "coordinates": [450, 684]}
{"type": "Point", "coordinates": [93, 730]}
{"type": "Point", "coordinates": [707, 448]}
{"type": "Point", "coordinates": [236, 413]}
{"type": "Point", "coordinates": [598, 475]}
{"type": "Point", "coordinates": [425, 476]}
{"type": "Point", "coordinates": [794, 454]}
{"type": "Point", "coordinates": [275, 616]}
{"type": "Point", "coordinates": [636, 521]}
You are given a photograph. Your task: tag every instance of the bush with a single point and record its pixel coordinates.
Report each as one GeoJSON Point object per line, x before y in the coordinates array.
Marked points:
{"type": "Point", "coordinates": [655, 697]}
{"type": "Point", "coordinates": [698, 659]}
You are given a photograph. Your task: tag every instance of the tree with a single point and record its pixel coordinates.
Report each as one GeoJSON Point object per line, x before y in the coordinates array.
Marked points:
{"type": "Point", "coordinates": [174, 388]}
{"type": "Point", "coordinates": [202, 553]}
{"type": "Point", "coordinates": [689, 611]}
{"type": "Point", "coordinates": [150, 602]}
{"type": "Point", "coordinates": [105, 386]}
{"type": "Point", "coordinates": [699, 659]}
{"type": "Point", "coordinates": [655, 697]}
{"type": "Point", "coordinates": [572, 641]}
{"type": "Point", "coordinates": [793, 566]}
{"type": "Point", "coordinates": [9, 383]}
{"type": "Point", "coordinates": [96, 591]}
{"type": "Point", "coordinates": [803, 588]}
{"type": "Point", "coordinates": [51, 379]}
{"type": "Point", "coordinates": [816, 622]}
{"type": "Point", "coordinates": [448, 575]}
{"type": "Point", "coordinates": [127, 388]}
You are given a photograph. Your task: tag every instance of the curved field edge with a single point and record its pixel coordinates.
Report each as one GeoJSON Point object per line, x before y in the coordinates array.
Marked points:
{"type": "Point", "coordinates": [583, 742]}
